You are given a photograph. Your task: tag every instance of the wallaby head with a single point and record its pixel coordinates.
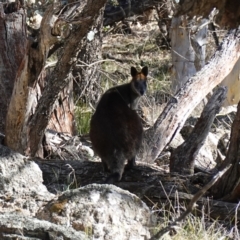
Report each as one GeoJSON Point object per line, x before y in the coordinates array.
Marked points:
{"type": "Point", "coordinates": [139, 80]}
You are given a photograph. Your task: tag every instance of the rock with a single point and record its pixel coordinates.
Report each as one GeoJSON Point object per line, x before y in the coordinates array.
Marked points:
{"type": "Point", "coordinates": [17, 226]}
{"type": "Point", "coordinates": [104, 211]}
{"type": "Point", "coordinates": [176, 141]}
{"type": "Point", "coordinates": [20, 183]}
{"type": "Point", "coordinates": [207, 155]}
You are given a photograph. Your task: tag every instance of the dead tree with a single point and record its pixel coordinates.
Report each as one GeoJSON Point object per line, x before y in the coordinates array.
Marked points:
{"type": "Point", "coordinates": [186, 99]}
{"type": "Point", "coordinates": [13, 35]}
{"type": "Point", "coordinates": [183, 157]}
{"type": "Point", "coordinates": [188, 41]}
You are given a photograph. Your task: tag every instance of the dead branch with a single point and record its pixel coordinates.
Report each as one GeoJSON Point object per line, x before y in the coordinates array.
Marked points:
{"type": "Point", "coordinates": [186, 99]}
{"type": "Point", "coordinates": [183, 157]}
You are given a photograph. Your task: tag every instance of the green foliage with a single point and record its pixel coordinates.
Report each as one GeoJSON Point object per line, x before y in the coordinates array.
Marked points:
{"type": "Point", "coordinates": [83, 116]}
{"type": "Point", "coordinates": [160, 82]}
{"type": "Point", "coordinates": [113, 2]}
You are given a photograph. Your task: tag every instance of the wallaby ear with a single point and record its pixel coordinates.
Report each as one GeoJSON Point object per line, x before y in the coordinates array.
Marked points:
{"type": "Point", "coordinates": [134, 72]}
{"type": "Point", "coordinates": [144, 71]}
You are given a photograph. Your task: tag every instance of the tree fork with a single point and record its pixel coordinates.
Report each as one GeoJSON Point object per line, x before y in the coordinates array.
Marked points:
{"type": "Point", "coordinates": [59, 77]}
{"type": "Point", "coordinates": [183, 158]}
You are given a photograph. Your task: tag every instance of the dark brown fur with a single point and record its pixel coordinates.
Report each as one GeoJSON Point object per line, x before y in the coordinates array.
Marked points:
{"type": "Point", "coordinates": [115, 129]}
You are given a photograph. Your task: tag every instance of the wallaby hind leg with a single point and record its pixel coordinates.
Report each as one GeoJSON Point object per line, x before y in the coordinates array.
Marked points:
{"type": "Point", "coordinates": [115, 177]}
{"type": "Point", "coordinates": [105, 166]}
{"type": "Point", "coordinates": [131, 163]}
{"type": "Point", "coordinates": [116, 165]}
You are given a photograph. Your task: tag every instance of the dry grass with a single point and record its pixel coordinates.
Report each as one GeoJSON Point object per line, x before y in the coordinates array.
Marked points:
{"type": "Point", "coordinates": [195, 227]}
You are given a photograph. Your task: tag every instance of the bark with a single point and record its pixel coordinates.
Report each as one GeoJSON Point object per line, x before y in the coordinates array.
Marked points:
{"type": "Point", "coordinates": [143, 181]}
{"type": "Point", "coordinates": [233, 84]}
{"type": "Point", "coordinates": [59, 77]}
{"type": "Point", "coordinates": [228, 188]}
{"type": "Point", "coordinates": [62, 118]}
{"type": "Point", "coordinates": [87, 70]}
{"type": "Point", "coordinates": [188, 41]}
{"type": "Point", "coordinates": [183, 157]}
{"type": "Point", "coordinates": [13, 38]}
{"type": "Point", "coordinates": [36, 95]}
{"type": "Point", "coordinates": [186, 99]}
{"type": "Point", "coordinates": [28, 84]}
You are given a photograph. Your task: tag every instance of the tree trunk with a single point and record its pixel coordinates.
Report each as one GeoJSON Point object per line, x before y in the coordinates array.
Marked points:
{"type": "Point", "coordinates": [27, 89]}
{"type": "Point", "coordinates": [186, 99]}
{"type": "Point", "coordinates": [188, 49]}
{"type": "Point", "coordinates": [14, 44]}
{"type": "Point", "coordinates": [59, 77]}
{"type": "Point", "coordinates": [233, 84]}
{"type": "Point", "coordinates": [228, 188]}
{"type": "Point", "coordinates": [87, 70]}
{"type": "Point", "coordinates": [62, 118]}
{"type": "Point", "coordinates": [183, 157]}
{"type": "Point", "coordinates": [34, 99]}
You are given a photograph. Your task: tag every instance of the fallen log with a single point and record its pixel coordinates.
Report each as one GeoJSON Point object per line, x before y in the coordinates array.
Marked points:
{"type": "Point", "coordinates": [149, 182]}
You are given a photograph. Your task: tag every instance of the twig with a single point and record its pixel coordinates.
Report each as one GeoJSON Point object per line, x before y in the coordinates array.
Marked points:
{"type": "Point", "coordinates": [74, 176]}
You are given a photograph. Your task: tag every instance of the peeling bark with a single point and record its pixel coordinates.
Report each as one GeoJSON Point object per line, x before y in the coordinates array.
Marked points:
{"type": "Point", "coordinates": [36, 94]}
{"type": "Point", "coordinates": [28, 85]}
{"type": "Point", "coordinates": [59, 77]}
{"type": "Point", "coordinates": [62, 118]}
{"type": "Point", "coordinates": [13, 39]}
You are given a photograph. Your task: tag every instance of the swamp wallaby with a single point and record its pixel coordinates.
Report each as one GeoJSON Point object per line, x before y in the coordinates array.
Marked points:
{"type": "Point", "coordinates": [115, 129]}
